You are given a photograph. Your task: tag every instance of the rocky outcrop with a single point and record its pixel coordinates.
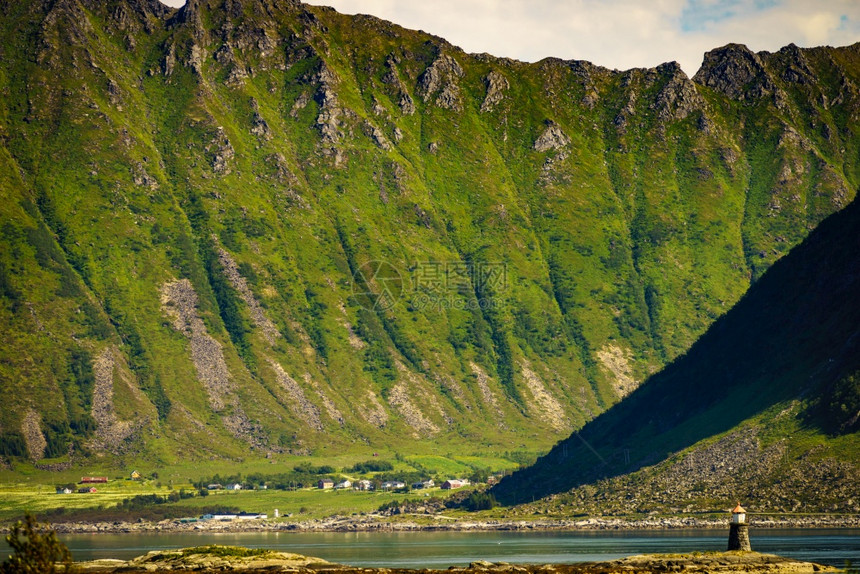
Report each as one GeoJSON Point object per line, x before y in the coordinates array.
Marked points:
{"type": "Point", "coordinates": [497, 85]}
{"type": "Point", "coordinates": [331, 120]}
{"type": "Point", "coordinates": [259, 126]}
{"type": "Point", "coordinates": [213, 558]}
{"type": "Point", "coordinates": [440, 83]}
{"type": "Point", "coordinates": [231, 558]}
{"type": "Point", "coordinates": [552, 138]}
{"type": "Point", "coordinates": [222, 153]}
{"type": "Point", "coordinates": [735, 71]}
{"type": "Point", "coordinates": [678, 97]}
{"type": "Point", "coordinates": [397, 87]}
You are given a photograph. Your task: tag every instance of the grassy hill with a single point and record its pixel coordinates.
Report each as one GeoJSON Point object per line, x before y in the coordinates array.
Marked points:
{"type": "Point", "coordinates": [257, 227]}
{"type": "Point", "coordinates": [764, 407]}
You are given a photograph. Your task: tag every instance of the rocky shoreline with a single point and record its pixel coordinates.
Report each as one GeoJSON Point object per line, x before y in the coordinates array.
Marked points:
{"type": "Point", "coordinates": [237, 559]}
{"type": "Point", "coordinates": [371, 523]}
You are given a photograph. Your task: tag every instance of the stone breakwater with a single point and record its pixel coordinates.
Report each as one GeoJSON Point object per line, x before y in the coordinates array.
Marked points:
{"type": "Point", "coordinates": [373, 523]}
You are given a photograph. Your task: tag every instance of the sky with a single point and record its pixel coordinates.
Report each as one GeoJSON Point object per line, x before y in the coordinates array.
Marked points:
{"type": "Point", "coordinates": [618, 34]}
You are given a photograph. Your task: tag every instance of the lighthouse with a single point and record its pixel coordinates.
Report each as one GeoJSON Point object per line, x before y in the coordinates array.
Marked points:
{"type": "Point", "coordinates": [739, 535]}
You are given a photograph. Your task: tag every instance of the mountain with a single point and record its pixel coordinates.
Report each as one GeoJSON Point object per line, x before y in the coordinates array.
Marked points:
{"type": "Point", "coordinates": [764, 407]}
{"type": "Point", "coordinates": [260, 226]}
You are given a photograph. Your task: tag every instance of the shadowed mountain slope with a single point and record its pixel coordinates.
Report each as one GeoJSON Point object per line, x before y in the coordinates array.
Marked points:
{"type": "Point", "coordinates": [784, 361]}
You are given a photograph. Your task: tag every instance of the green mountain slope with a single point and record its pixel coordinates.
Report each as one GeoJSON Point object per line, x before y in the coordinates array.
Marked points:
{"type": "Point", "coordinates": [258, 224]}
{"type": "Point", "coordinates": [764, 406]}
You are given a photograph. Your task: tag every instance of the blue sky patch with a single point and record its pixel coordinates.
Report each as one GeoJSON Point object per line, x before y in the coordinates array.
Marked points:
{"type": "Point", "coordinates": [699, 15]}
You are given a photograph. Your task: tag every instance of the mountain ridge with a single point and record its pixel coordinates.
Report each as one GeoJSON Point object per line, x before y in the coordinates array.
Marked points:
{"type": "Point", "coordinates": [192, 195]}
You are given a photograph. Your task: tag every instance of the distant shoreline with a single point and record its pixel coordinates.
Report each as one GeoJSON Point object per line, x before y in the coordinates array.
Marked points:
{"type": "Point", "coordinates": [378, 523]}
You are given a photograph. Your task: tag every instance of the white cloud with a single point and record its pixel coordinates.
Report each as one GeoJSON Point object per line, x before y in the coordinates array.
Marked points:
{"type": "Point", "coordinates": [618, 33]}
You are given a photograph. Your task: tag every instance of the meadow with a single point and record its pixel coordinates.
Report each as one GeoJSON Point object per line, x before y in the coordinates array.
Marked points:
{"type": "Point", "coordinates": [27, 489]}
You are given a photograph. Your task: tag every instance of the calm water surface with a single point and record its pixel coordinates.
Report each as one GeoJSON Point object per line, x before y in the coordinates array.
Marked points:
{"type": "Point", "coordinates": [443, 549]}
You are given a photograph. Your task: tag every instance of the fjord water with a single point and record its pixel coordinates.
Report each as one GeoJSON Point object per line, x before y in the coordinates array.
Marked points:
{"type": "Point", "coordinates": [442, 549]}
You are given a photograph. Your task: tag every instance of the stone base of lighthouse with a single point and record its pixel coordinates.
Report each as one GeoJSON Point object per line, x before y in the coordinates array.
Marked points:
{"type": "Point", "coordinates": [739, 537]}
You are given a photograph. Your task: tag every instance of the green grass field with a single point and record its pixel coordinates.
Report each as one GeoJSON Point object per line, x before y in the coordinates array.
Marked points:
{"type": "Point", "coordinates": [27, 489]}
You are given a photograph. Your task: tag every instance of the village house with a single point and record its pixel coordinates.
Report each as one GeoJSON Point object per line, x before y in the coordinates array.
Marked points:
{"type": "Point", "coordinates": [423, 484]}
{"type": "Point", "coordinates": [64, 490]}
{"type": "Point", "coordinates": [87, 490]}
{"type": "Point", "coordinates": [393, 485]}
{"type": "Point", "coordinates": [364, 485]}
{"type": "Point", "coordinates": [234, 486]}
{"type": "Point", "coordinates": [135, 475]}
{"type": "Point", "coordinates": [325, 483]}
{"type": "Point", "coordinates": [215, 486]}
{"type": "Point", "coordinates": [343, 484]}
{"type": "Point", "coordinates": [454, 483]}
{"type": "Point", "coordinates": [93, 480]}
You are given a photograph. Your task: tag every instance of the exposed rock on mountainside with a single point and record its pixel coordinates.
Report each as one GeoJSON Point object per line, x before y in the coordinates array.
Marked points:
{"type": "Point", "coordinates": [179, 302]}
{"type": "Point", "coordinates": [439, 83]}
{"type": "Point", "coordinates": [737, 72]}
{"type": "Point", "coordinates": [551, 138]}
{"type": "Point", "coordinates": [303, 407]}
{"type": "Point", "coordinates": [111, 431]}
{"type": "Point", "coordinates": [32, 432]}
{"type": "Point", "coordinates": [497, 85]}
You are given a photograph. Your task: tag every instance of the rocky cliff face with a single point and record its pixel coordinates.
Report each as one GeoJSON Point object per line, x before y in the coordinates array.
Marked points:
{"type": "Point", "coordinates": [388, 240]}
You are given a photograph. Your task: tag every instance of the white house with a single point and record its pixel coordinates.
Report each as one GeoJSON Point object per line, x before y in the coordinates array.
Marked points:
{"type": "Point", "coordinates": [235, 486]}
{"type": "Point", "coordinates": [343, 484]}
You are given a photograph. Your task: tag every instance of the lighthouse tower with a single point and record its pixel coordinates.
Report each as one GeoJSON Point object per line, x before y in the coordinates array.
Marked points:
{"type": "Point", "coordinates": [739, 535]}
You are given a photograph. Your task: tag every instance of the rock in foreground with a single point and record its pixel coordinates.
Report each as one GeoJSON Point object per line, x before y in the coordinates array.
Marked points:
{"type": "Point", "coordinates": [237, 559]}
{"type": "Point", "coordinates": [212, 558]}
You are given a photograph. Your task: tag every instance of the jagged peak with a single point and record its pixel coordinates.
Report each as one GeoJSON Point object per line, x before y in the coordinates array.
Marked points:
{"type": "Point", "coordinates": [672, 69]}
{"type": "Point", "coordinates": [732, 69]}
